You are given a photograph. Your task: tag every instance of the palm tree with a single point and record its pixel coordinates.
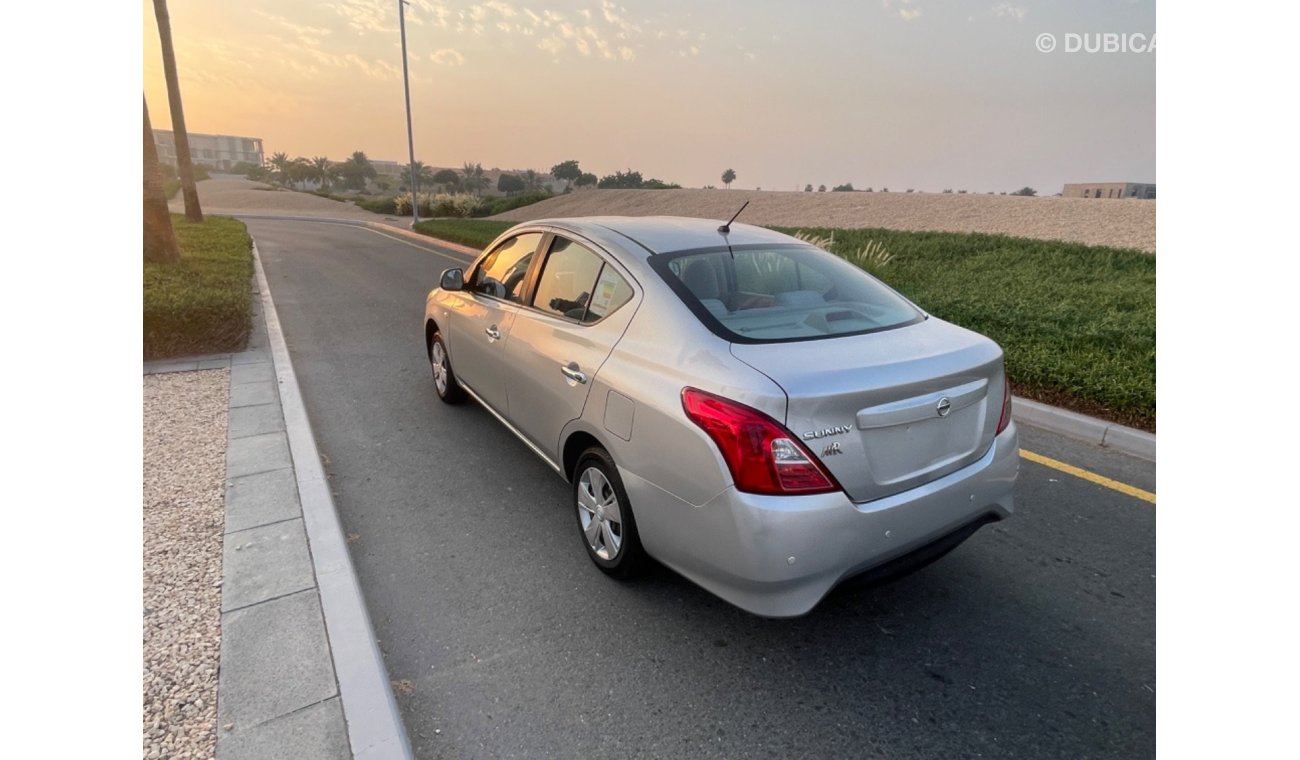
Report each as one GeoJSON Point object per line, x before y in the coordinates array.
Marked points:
{"type": "Point", "coordinates": [473, 178]}
{"type": "Point", "coordinates": [159, 237]}
{"type": "Point", "coordinates": [357, 169]}
{"type": "Point", "coordinates": [280, 167]}
{"type": "Point", "coordinates": [300, 170]}
{"type": "Point", "coordinates": [532, 180]}
{"type": "Point", "coordinates": [728, 177]}
{"type": "Point", "coordinates": [424, 176]}
{"type": "Point", "coordinates": [323, 170]}
{"type": "Point", "coordinates": [188, 189]}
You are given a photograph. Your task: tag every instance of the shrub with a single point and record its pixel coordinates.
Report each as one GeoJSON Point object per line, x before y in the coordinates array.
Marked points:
{"type": "Point", "coordinates": [628, 179]}
{"type": "Point", "coordinates": [441, 204]}
{"type": "Point", "coordinates": [203, 304]}
{"type": "Point", "coordinates": [379, 205]}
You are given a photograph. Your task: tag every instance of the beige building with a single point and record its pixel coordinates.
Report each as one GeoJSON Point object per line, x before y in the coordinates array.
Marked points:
{"type": "Point", "coordinates": [217, 151]}
{"type": "Point", "coordinates": [388, 168]}
{"type": "Point", "coordinates": [1110, 190]}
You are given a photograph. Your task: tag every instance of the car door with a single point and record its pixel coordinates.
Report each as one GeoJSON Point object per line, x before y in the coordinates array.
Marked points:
{"type": "Point", "coordinates": [580, 306]}
{"type": "Point", "coordinates": [483, 316]}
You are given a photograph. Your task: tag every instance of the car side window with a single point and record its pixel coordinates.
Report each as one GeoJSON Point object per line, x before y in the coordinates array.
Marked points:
{"type": "Point", "coordinates": [502, 272]}
{"type": "Point", "coordinates": [568, 280]}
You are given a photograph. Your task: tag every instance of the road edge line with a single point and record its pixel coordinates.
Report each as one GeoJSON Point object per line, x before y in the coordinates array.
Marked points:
{"type": "Point", "coordinates": [374, 722]}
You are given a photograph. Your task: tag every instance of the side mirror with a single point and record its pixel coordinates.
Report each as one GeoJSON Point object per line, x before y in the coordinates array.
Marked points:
{"type": "Point", "coordinates": [452, 279]}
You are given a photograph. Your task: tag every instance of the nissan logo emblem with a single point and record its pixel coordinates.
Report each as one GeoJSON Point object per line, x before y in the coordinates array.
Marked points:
{"type": "Point", "coordinates": [943, 407]}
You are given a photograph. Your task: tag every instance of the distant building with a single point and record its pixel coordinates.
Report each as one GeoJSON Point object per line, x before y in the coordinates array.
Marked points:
{"type": "Point", "coordinates": [217, 151]}
{"type": "Point", "coordinates": [388, 168]}
{"type": "Point", "coordinates": [1110, 190]}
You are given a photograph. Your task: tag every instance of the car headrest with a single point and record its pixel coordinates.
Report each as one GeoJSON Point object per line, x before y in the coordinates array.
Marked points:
{"type": "Point", "coordinates": [701, 279]}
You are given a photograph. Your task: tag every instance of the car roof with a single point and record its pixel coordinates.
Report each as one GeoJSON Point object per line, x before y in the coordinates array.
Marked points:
{"type": "Point", "coordinates": [664, 234]}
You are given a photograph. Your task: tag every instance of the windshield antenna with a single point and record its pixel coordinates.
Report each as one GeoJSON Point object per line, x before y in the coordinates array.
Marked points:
{"type": "Point", "coordinates": [726, 228]}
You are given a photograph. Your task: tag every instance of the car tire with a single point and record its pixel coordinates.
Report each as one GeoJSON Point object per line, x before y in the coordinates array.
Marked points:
{"type": "Point", "coordinates": [606, 524]}
{"type": "Point", "coordinates": [444, 379]}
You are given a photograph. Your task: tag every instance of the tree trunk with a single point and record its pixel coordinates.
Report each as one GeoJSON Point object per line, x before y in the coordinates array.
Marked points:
{"type": "Point", "coordinates": [159, 238]}
{"type": "Point", "coordinates": [183, 165]}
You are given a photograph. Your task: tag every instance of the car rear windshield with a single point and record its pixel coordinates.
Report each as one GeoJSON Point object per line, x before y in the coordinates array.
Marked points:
{"type": "Point", "coordinates": [781, 293]}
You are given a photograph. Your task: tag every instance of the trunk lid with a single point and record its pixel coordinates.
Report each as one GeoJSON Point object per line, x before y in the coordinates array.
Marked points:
{"type": "Point", "coordinates": [888, 411]}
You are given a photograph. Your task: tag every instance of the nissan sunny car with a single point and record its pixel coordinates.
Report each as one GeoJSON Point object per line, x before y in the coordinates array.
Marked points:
{"type": "Point", "coordinates": [753, 412]}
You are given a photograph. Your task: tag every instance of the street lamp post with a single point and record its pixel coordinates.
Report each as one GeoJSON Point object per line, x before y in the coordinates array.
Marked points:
{"type": "Point", "coordinates": [410, 135]}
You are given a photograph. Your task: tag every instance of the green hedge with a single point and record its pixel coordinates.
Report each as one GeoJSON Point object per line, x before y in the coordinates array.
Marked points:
{"type": "Point", "coordinates": [377, 205]}
{"type": "Point", "coordinates": [202, 305]}
{"type": "Point", "coordinates": [491, 206]}
{"type": "Point", "coordinates": [475, 233]}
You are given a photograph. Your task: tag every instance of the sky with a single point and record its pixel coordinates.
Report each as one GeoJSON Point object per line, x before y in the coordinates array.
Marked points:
{"type": "Point", "coordinates": [923, 94]}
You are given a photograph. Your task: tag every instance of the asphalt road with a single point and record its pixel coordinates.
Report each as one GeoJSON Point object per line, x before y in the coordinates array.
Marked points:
{"type": "Point", "coordinates": [1034, 639]}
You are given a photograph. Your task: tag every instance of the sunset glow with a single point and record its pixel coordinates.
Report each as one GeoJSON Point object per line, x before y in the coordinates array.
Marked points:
{"type": "Point", "coordinates": [930, 94]}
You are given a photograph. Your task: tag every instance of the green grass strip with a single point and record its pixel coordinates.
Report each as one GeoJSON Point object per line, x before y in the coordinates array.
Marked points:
{"type": "Point", "coordinates": [475, 233]}
{"type": "Point", "coordinates": [203, 304]}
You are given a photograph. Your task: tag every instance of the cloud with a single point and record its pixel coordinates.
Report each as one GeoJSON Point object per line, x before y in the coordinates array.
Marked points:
{"type": "Point", "coordinates": [607, 33]}
{"type": "Point", "coordinates": [364, 15]}
{"type": "Point", "coordinates": [611, 12]}
{"type": "Point", "coordinates": [552, 45]}
{"type": "Point", "coordinates": [903, 9]}
{"type": "Point", "coordinates": [378, 69]}
{"type": "Point", "coordinates": [447, 57]}
{"type": "Point", "coordinates": [1007, 10]}
{"type": "Point", "coordinates": [299, 29]}
{"type": "Point", "coordinates": [505, 10]}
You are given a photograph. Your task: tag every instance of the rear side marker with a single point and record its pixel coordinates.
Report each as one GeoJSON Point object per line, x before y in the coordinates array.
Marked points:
{"type": "Point", "coordinates": [1091, 477]}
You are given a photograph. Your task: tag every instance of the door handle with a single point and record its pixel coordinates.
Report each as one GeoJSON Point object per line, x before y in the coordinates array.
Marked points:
{"type": "Point", "coordinates": [572, 372]}
{"type": "Point", "coordinates": [493, 332]}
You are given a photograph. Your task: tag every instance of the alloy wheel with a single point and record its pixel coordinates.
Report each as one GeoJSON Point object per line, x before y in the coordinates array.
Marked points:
{"type": "Point", "coordinates": [599, 513]}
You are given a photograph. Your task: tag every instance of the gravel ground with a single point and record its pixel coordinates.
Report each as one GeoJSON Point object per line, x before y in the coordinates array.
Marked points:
{"type": "Point", "coordinates": [1120, 222]}
{"type": "Point", "coordinates": [185, 417]}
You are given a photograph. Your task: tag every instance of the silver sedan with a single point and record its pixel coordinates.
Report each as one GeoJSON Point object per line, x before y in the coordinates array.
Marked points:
{"type": "Point", "coordinates": [757, 414]}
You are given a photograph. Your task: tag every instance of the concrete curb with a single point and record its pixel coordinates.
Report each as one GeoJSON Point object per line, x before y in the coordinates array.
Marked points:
{"type": "Point", "coordinates": [374, 723]}
{"type": "Point", "coordinates": [1081, 427]}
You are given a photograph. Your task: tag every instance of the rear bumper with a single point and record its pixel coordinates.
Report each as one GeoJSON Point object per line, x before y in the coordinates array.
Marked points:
{"type": "Point", "coordinates": [777, 556]}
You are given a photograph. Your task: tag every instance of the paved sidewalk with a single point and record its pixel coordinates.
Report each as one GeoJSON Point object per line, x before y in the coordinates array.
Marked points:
{"type": "Point", "coordinates": [285, 639]}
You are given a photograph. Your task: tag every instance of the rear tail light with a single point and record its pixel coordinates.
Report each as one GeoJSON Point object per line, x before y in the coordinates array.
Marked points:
{"type": "Point", "coordinates": [763, 456]}
{"type": "Point", "coordinates": [1005, 419]}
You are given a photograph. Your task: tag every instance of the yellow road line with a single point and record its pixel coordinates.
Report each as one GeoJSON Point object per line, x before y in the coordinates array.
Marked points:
{"type": "Point", "coordinates": [1091, 477]}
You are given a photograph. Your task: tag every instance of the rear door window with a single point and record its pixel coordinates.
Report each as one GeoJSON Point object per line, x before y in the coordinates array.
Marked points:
{"type": "Point", "coordinates": [568, 280]}
{"type": "Point", "coordinates": [612, 291]}
{"type": "Point", "coordinates": [504, 272]}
